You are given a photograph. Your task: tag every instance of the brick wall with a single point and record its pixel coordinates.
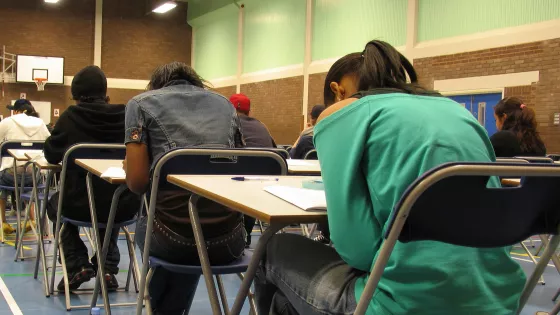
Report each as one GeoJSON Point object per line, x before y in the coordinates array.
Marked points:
{"type": "Point", "coordinates": [226, 91]}
{"type": "Point", "coordinates": [32, 27]}
{"type": "Point", "coordinates": [60, 96]}
{"type": "Point", "coordinates": [134, 43]}
{"type": "Point", "coordinates": [316, 86]}
{"type": "Point", "coordinates": [543, 56]}
{"type": "Point", "coordinates": [278, 104]}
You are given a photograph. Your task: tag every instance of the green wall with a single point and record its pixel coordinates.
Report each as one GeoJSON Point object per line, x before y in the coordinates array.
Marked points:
{"type": "Point", "coordinates": [215, 43]}
{"type": "Point", "coordinates": [448, 18]}
{"type": "Point", "coordinates": [274, 34]}
{"type": "Point", "coordinates": [344, 26]}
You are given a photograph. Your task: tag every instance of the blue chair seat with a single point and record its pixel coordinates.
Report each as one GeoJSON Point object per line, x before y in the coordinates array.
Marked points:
{"type": "Point", "coordinates": [12, 188]}
{"type": "Point", "coordinates": [237, 266]}
{"type": "Point", "coordinates": [27, 195]}
{"type": "Point", "coordinates": [100, 225]}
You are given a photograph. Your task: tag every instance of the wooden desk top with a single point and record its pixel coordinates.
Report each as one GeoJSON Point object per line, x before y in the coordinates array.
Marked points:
{"type": "Point", "coordinates": [308, 167]}
{"type": "Point", "coordinates": [98, 167]}
{"type": "Point", "coordinates": [43, 165]}
{"type": "Point", "coordinates": [249, 197]}
{"type": "Point", "coordinates": [511, 182]}
{"type": "Point", "coordinates": [22, 154]}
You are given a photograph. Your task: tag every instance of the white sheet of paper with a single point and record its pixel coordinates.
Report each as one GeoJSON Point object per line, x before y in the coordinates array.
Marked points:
{"type": "Point", "coordinates": [114, 172]}
{"type": "Point", "coordinates": [306, 199]}
{"type": "Point", "coordinates": [299, 162]}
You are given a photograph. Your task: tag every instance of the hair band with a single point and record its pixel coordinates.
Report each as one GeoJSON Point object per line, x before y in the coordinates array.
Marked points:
{"type": "Point", "coordinates": [522, 106]}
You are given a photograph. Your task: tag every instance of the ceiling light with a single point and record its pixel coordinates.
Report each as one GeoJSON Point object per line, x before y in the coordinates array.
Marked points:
{"type": "Point", "coordinates": [165, 7]}
{"type": "Point", "coordinates": [51, 1]}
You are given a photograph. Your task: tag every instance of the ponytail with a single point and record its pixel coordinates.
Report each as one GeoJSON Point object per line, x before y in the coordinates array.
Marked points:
{"type": "Point", "coordinates": [384, 67]}
{"type": "Point", "coordinates": [521, 120]}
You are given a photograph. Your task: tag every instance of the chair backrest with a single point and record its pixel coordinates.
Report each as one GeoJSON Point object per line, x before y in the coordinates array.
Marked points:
{"type": "Point", "coordinates": [282, 152]}
{"type": "Point", "coordinates": [99, 151]}
{"type": "Point", "coordinates": [535, 159]}
{"type": "Point", "coordinates": [20, 145]}
{"type": "Point", "coordinates": [216, 162]}
{"type": "Point", "coordinates": [554, 157]}
{"type": "Point", "coordinates": [440, 206]}
{"type": "Point", "coordinates": [511, 160]}
{"type": "Point", "coordinates": [311, 155]}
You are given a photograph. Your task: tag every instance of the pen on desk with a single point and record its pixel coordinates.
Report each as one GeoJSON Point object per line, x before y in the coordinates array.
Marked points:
{"type": "Point", "coordinates": [242, 179]}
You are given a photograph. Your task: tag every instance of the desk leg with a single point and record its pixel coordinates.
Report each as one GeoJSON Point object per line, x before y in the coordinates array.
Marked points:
{"type": "Point", "coordinates": [555, 259]}
{"type": "Point", "coordinates": [101, 253]}
{"type": "Point", "coordinates": [18, 206]}
{"type": "Point", "coordinates": [252, 269]}
{"type": "Point", "coordinates": [27, 217]}
{"type": "Point", "coordinates": [203, 255]}
{"type": "Point", "coordinates": [549, 250]}
{"type": "Point", "coordinates": [41, 217]}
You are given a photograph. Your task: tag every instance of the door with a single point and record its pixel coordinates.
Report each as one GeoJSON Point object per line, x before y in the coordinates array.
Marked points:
{"type": "Point", "coordinates": [482, 108]}
{"type": "Point", "coordinates": [485, 106]}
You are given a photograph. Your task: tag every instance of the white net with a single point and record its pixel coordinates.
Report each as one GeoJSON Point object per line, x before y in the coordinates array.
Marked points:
{"type": "Point", "coordinates": [40, 84]}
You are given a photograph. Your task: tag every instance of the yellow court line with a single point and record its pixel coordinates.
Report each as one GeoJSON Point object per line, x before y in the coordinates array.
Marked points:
{"type": "Point", "coordinates": [14, 245]}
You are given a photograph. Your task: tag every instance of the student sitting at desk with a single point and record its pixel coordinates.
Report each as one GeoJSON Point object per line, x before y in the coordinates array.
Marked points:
{"type": "Point", "coordinates": [25, 124]}
{"type": "Point", "coordinates": [91, 120]}
{"type": "Point", "coordinates": [256, 135]}
{"type": "Point", "coordinates": [517, 125]}
{"type": "Point", "coordinates": [373, 144]}
{"type": "Point", "coordinates": [178, 112]}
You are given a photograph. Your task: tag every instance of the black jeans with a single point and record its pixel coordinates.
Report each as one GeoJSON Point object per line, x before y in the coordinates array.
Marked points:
{"type": "Point", "coordinates": [173, 293]}
{"type": "Point", "coordinates": [301, 276]}
{"type": "Point", "coordinates": [76, 252]}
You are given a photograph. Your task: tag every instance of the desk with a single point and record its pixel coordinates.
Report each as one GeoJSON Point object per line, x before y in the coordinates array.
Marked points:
{"type": "Point", "coordinates": [303, 167]}
{"type": "Point", "coordinates": [41, 164]}
{"type": "Point", "coordinates": [249, 198]}
{"type": "Point", "coordinates": [19, 156]}
{"type": "Point", "coordinates": [22, 155]}
{"type": "Point", "coordinates": [98, 167]}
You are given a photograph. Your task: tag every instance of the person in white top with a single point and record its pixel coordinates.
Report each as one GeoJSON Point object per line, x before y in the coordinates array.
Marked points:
{"type": "Point", "coordinates": [25, 124]}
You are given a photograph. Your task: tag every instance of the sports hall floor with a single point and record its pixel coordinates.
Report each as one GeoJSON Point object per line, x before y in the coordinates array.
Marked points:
{"type": "Point", "coordinates": [27, 297]}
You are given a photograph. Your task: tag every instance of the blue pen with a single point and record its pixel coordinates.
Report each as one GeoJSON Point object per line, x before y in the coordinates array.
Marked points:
{"type": "Point", "coordinates": [244, 178]}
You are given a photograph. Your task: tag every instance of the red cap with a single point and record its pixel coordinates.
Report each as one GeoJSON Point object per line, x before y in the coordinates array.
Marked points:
{"type": "Point", "coordinates": [241, 102]}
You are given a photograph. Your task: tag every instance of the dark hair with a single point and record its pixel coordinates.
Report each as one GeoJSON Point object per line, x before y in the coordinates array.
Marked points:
{"type": "Point", "coordinates": [380, 65]}
{"type": "Point", "coordinates": [29, 110]}
{"type": "Point", "coordinates": [163, 75]}
{"type": "Point", "coordinates": [347, 65]}
{"type": "Point", "coordinates": [384, 67]}
{"type": "Point", "coordinates": [520, 120]}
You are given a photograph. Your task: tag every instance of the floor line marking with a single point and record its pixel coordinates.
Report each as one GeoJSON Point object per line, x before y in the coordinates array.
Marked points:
{"type": "Point", "coordinates": [9, 298]}
{"type": "Point", "coordinates": [527, 260]}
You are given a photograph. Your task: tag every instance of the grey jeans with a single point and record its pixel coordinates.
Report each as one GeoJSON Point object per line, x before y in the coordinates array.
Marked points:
{"type": "Point", "coordinates": [301, 276]}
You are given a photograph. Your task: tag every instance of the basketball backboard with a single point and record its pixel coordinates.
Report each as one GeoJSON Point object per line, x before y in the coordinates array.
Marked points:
{"type": "Point", "coordinates": [30, 68]}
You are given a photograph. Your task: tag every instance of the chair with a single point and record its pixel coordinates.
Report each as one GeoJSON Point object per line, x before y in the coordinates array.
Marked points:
{"type": "Point", "coordinates": [554, 157]}
{"type": "Point", "coordinates": [18, 145]}
{"type": "Point", "coordinates": [535, 159]}
{"type": "Point", "coordinates": [511, 215]}
{"type": "Point", "coordinates": [90, 151]}
{"type": "Point", "coordinates": [311, 155]}
{"type": "Point", "coordinates": [202, 162]}
{"type": "Point", "coordinates": [282, 152]}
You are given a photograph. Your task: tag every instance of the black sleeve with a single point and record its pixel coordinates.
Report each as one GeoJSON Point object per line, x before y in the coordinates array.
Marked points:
{"type": "Point", "coordinates": [58, 142]}
{"type": "Point", "coordinates": [304, 145]}
{"type": "Point", "coordinates": [505, 144]}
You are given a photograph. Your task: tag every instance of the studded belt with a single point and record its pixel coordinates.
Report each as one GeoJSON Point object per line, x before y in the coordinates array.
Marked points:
{"type": "Point", "coordinates": [166, 232]}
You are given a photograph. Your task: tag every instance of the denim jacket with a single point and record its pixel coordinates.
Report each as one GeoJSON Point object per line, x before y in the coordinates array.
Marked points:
{"type": "Point", "coordinates": [181, 115]}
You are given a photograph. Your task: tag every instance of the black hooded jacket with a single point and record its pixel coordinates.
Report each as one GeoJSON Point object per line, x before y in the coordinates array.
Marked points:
{"type": "Point", "coordinates": [89, 123]}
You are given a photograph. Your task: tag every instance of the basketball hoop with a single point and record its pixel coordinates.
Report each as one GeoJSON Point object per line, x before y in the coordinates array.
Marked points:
{"type": "Point", "coordinates": [40, 82]}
